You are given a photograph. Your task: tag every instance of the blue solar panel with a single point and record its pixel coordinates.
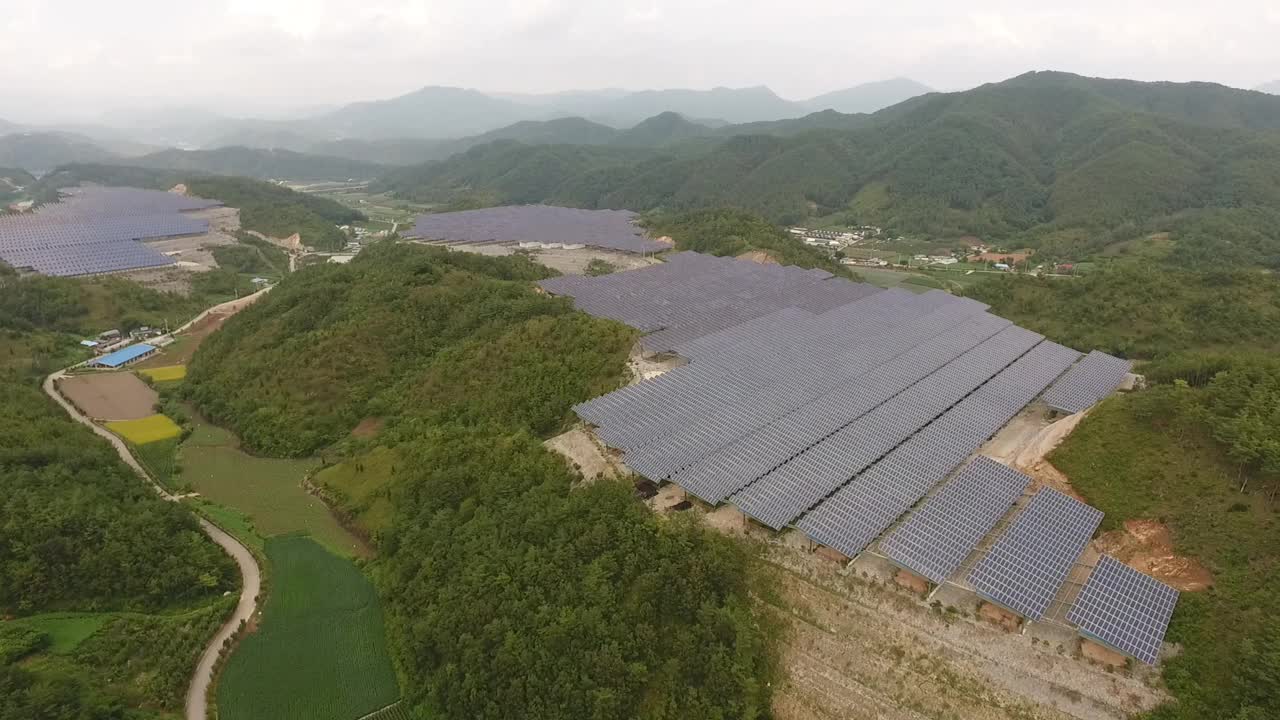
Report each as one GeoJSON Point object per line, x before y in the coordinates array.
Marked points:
{"type": "Point", "coordinates": [609, 229]}
{"type": "Point", "coordinates": [96, 230]}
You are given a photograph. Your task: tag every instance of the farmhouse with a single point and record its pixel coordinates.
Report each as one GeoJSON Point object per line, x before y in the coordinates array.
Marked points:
{"type": "Point", "coordinates": [124, 356]}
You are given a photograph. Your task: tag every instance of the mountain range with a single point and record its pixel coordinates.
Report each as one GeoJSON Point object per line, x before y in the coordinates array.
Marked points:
{"type": "Point", "coordinates": [448, 113]}
{"type": "Point", "coordinates": [1069, 162]}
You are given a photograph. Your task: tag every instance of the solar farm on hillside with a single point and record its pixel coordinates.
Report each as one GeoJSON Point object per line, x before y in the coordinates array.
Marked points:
{"type": "Point", "coordinates": [96, 230]}
{"type": "Point", "coordinates": [853, 414]}
{"type": "Point", "coordinates": [537, 226]}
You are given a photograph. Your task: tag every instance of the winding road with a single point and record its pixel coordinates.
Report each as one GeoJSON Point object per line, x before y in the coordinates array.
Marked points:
{"type": "Point", "coordinates": [250, 574]}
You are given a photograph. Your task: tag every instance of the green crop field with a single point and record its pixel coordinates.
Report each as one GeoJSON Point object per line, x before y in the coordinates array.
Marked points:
{"type": "Point", "coordinates": [267, 492]}
{"type": "Point", "coordinates": [320, 653]}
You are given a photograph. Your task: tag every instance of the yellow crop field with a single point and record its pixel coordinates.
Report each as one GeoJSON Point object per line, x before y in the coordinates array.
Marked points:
{"type": "Point", "coordinates": [146, 430]}
{"type": "Point", "coordinates": [168, 373]}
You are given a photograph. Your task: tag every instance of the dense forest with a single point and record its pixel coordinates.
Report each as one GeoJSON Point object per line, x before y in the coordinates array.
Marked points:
{"type": "Point", "coordinates": [1068, 164]}
{"type": "Point", "coordinates": [728, 232]}
{"type": "Point", "coordinates": [80, 533]}
{"type": "Point", "coordinates": [1138, 310]}
{"type": "Point", "coordinates": [466, 368]}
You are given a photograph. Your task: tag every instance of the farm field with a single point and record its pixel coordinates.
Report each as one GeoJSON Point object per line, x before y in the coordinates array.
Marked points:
{"type": "Point", "coordinates": [110, 396]}
{"type": "Point", "coordinates": [166, 373]}
{"type": "Point", "coordinates": [892, 278]}
{"type": "Point", "coordinates": [267, 491]}
{"type": "Point", "coordinates": [320, 653]}
{"type": "Point", "coordinates": [146, 430]}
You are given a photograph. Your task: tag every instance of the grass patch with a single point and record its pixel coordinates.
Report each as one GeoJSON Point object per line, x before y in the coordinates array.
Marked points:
{"type": "Point", "coordinates": [146, 430]}
{"type": "Point", "coordinates": [320, 653]}
{"type": "Point", "coordinates": [239, 525]}
{"type": "Point", "coordinates": [66, 630]}
{"type": "Point", "coordinates": [1129, 463]}
{"type": "Point", "coordinates": [268, 492]}
{"type": "Point", "coordinates": [167, 373]}
{"type": "Point", "coordinates": [360, 487]}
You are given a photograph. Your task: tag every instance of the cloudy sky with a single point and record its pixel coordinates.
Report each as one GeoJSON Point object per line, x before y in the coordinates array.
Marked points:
{"type": "Point", "coordinates": [74, 59]}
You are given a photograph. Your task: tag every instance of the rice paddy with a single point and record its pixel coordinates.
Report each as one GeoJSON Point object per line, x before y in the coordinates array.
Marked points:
{"type": "Point", "coordinates": [167, 373]}
{"type": "Point", "coordinates": [145, 430]}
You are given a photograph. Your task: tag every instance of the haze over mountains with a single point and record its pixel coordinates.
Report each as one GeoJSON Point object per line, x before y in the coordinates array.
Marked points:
{"type": "Point", "coordinates": [445, 113]}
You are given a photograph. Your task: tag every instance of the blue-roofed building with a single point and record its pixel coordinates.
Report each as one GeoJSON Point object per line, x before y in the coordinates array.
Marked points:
{"type": "Point", "coordinates": [124, 356]}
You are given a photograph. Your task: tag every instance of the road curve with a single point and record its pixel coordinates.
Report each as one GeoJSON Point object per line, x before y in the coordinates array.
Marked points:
{"type": "Point", "coordinates": [251, 576]}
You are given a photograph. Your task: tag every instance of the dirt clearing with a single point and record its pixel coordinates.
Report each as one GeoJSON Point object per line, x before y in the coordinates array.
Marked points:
{"type": "Point", "coordinates": [759, 256]}
{"type": "Point", "coordinates": [1146, 545]}
{"type": "Point", "coordinates": [183, 347]}
{"type": "Point", "coordinates": [569, 262]}
{"type": "Point", "coordinates": [110, 396]}
{"type": "Point", "coordinates": [859, 648]}
{"type": "Point", "coordinates": [581, 449]}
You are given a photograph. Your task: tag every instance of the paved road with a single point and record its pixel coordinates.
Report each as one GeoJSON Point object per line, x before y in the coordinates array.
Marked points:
{"type": "Point", "coordinates": [250, 574]}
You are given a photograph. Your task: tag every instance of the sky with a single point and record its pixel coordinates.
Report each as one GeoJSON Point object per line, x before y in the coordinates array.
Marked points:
{"type": "Point", "coordinates": [78, 60]}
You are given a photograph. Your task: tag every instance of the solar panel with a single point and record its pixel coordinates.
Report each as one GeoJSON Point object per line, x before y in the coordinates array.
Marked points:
{"type": "Point", "coordinates": [935, 539]}
{"type": "Point", "coordinates": [1124, 609]}
{"type": "Point", "coordinates": [1028, 564]}
{"type": "Point", "coordinates": [1091, 380]}
{"type": "Point", "coordinates": [544, 224]}
{"type": "Point", "coordinates": [96, 230]}
{"type": "Point", "coordinates": [784, 493]}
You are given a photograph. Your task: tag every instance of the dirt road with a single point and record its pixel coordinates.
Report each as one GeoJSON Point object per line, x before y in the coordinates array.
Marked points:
{"type": "Point", "coordinates": [250, 575]}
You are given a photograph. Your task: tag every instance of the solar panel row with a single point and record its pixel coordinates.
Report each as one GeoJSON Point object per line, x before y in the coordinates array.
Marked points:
{"type": "Point", "coordinates": [783, 494]}
{"type": "Point", "coordinates": [936, 538]}
{"type": "Point", "coordinates": [853, 516]}
{"type": "Point", "coordinates": [1125, 609]}
{"type": "Point", "coordinates": [1029, 563]}
{"type": "Point", "coordinates": [609, 229]}
{"type": "Point", "coordinates": [724, 407]}
{"type": "Point", "coordinates": [702, 292]}
{"type": "Point", "coordinates": [95, 230]}
{"type": "Point", "coordinates": [1094, 378]}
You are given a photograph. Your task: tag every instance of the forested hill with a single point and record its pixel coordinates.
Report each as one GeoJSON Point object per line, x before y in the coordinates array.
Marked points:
{"type": "Point", "coordinates": [1072, 162]}
{"type": "Point", "coordinates": [259, 163]}
{"type": "Point", "coordinates": [126, 587]}
{"type": "Point", "coordinates": [507, 594]}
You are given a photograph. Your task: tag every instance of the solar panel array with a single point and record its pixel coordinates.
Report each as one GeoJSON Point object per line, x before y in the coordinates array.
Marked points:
{"type": "Point", "coordinates": [609, 229]}
{"type": "Point", "coordinates": [852, 517]}
{"type": "Point", "coordinates": [693, 295]}
{"type": "Point", "coordinates": [936, 538]}
{"type": "Point", "coordinates": [96, 230]}
{"type": "Point", "coordinates": [1094, 378]}
{"type": "Point", "coordinates": [1125, 609]}
{"type": "Point", "coordinates": [1028, 564]}
{"type": "Point", "coordinates": [811, 400]}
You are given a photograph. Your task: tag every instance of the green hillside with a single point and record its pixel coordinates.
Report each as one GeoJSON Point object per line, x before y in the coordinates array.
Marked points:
{"type": "Point", "coordinates": [463, 368]}
{"type": "Point", "coordinates": [1070, 164]}
{"type": "Point", "coordinates": [259, 163]}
